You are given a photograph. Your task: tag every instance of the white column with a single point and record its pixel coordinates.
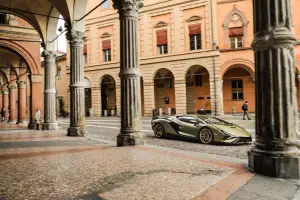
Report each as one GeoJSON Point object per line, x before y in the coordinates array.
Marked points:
{"type": "Point", "coordinates": [77, 105]}
{"type": "Point", "coordinates": [131, 126]}
{"type": "Point", "coordinates": [50, 118]}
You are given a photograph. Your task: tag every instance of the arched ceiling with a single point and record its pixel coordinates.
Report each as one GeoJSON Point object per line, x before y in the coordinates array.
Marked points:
{"type": "Point", "coordinates": [26, 9]}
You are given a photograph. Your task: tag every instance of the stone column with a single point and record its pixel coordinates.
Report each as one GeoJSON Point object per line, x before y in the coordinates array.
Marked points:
{"type": "Point", "coordinates": [77, 105]}
{"type": "Point", "coordinates": [50, 119]}
{"type": "Point", "coordinates": [276, 151]}
{"type": "Point", "coordinates": [131, 127]}
{"type": "Point", "coordinates": [180, 97]}
{"type": "Point", "coordinates": [22, 103]}
{"type": "Point", "coordinates": [5, 103]}
{"type": "Point", "coordinates": [36, 100]}
{"type": "Point", "coordinates": [12, 104]}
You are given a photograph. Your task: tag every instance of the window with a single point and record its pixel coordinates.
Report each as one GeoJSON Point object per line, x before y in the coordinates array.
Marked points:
{"type": "Point", "coordinates": [169, 83]}
{"type": "Point", "coordinates": [236, 37]}
{"type": "Point", "coordinates": [162, 49]}
{"type": "Point", "coordinates": [107, 55]}
{"type": "Point", "coordinates": [106, 4]}
{"type": "Point", "coordinates": [198, 80]}
{"type": "Point", "coordinates": [2, 18]}
{"type": "Point", "coordinates": [195, 36]}
{"type": "Point", "coordinates": [59, 72]}
{"type": "Point", "coordinates": [236, 42]}
{"type": "Point", "coordinates": [237, 90]}
{"type": "Point", "coordinates": [162, 42]}
{"type": "Point", "coordinates": [195, 42]}
{"type": "Point", "coordinates": [106, 48]}
{"type": "Point", "coordinates": [85, 54]}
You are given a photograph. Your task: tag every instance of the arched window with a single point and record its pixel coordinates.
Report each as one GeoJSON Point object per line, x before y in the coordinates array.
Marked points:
{"type": "Point", "coordinates": [236, 32]}
{"type": "Point", "coordinates": [235, 29]}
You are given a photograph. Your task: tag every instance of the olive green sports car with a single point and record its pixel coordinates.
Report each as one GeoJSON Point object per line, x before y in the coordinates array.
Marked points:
{"type": "Point", "coordinates": [205, 129]}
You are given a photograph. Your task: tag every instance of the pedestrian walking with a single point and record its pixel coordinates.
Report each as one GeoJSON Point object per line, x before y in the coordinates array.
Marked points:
{"type": "Point", "coordinates": [245, 108]}
{"type": "Point", "coordinates": [38, 119]}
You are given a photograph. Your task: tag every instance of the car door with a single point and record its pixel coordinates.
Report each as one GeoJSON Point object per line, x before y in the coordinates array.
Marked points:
{"type": "Point", "coordinates": [188, 126]}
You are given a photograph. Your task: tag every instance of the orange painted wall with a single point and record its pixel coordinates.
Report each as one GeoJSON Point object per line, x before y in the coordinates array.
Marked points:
{"type": "Point", "coordinates": [193, 93]}
{"type": "Point", "coordinates": [248, 90]}
{"type": "Point", "coordinates": [160, 94]}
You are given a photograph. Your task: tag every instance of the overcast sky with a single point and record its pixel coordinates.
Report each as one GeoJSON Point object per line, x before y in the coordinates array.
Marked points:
{"type": "Point", "coordinates": [62, 45]}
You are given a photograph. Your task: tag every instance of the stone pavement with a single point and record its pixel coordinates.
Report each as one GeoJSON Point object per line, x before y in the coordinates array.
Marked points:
{"type": "Point", "coordinates": [50, 165]}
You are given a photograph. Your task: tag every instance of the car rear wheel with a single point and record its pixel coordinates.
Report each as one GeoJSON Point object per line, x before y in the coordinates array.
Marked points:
{"type": "Point", "coordinates": [159, 131]}
{"type": "Point", "coordinates": [206, 136]}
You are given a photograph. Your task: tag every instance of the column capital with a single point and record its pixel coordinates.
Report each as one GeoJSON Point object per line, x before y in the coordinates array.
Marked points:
{"type": "Point", "coordinates": [21, 84]}
{"type": "Point", "coordinates": [76, 37]}
{"type": "Point", "coordinates": [128, 8]}
{"type": "Point", "coordinates": [12, 87]}
{"type": "Point", "coordinates": [5, 91]}
{"type": "Point", "coordinates": [49, 54]}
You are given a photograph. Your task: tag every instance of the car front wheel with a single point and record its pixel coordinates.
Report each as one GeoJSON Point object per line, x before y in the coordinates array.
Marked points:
{"type": "Point", "coordinates": [206, 136]}
{"type": "Point", "coordinates": [159, 131]}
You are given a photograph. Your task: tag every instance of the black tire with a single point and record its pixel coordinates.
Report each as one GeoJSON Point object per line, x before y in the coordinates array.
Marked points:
{"type": "Point", "coordinates": [206, 136]}
{"type": "Point", "coordinates": [159, 131]}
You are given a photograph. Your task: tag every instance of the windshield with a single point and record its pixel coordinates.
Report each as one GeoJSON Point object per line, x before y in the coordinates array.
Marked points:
{"type": "Point", "coordinates": [213, 120]}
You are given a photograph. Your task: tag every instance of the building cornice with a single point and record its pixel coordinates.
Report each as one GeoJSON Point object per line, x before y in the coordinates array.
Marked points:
{"type": "Point", "coordinates": [234, 50]}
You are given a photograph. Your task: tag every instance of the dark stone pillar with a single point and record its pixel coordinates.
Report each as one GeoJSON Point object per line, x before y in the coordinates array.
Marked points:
{"type": "Point", "coordinates": [131, 127]}
{"type": "Point", "coordinates": [276, 151]}
{"type": "Point", "coordinates": [77, 105]}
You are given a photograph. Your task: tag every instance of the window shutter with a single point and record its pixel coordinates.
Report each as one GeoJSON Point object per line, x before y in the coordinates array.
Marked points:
{"type": "Point", "coordinates": [194, 29]}
{"type": "Point", "coordinates": [162, 37]}
{"type": "Point", "coordinates": [236, 32]}
{"type": "Point", "coordinates": [85, 49]}
{"type": "Point", "coordinates": [106, 45]}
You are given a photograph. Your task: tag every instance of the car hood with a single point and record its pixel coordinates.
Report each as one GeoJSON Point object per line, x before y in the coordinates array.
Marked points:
{"type": "Point", "coordinates": [233, 130]}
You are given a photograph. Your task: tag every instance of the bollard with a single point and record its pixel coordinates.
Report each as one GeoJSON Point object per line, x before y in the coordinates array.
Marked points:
{"type": "Point", "coordinates": [160, 111]}
{"type": "Point", "coordinates": [233, 111]}
{"type": "Point", "coordinates": [112, 113]}
{"type": "Point", "coordinates": [169, 111]}
{"type": "Point", "coordinates": [105, 113]}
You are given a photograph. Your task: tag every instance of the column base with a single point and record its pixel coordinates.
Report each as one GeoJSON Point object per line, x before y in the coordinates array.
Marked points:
{"type": "Point", "coordinates": [22, 122]}
{"type": "Point", "coordinates": [51, 126]}
{"type": "Point", "coordinates": [131, 140]}
{"type": "Point", "coordinates": [12, 121]}
{"type": "Point", "coordinates": [32, 126]}
{"type": "Point", "coordinates": [77, 131]}
{"type": "Point", "coordinates": [277, 164]}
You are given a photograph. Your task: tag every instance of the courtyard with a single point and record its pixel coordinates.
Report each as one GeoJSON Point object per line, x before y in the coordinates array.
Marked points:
{"type": "Point", "coordinates": [50, 165]}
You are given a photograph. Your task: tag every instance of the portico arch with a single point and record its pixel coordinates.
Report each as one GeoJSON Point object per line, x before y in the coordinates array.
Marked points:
{"type": "Point", "coordinates": [164, 90]}
{"type": "Point", "coordinates": [23, 53]}
{"type": "Point", "coordinates": [238, 87]}
{"type": "Point", "coordinates": [197, 89]}
{"type": "Point", "coordinates": [108, 96]}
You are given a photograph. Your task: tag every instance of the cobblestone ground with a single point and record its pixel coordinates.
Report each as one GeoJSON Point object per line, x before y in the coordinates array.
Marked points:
{"type": "Point", "coordinates": [108, 129]}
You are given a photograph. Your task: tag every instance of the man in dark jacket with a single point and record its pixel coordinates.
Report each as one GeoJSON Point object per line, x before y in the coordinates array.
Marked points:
{"type": "Point", "coordinates": [245, 108]}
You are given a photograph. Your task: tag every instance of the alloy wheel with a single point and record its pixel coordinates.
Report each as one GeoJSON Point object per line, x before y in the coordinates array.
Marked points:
{"type": "Point", "coordinates": [206, 136]}
{"type": "Point", "coordinates": [159, 131]}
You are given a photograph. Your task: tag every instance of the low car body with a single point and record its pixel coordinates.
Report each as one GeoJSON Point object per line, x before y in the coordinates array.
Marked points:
{"type": "Point", "coordinates": [206, 129]}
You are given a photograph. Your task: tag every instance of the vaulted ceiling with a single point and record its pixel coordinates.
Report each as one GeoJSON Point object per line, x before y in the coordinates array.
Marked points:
{"type": "Point", "coordinates": [38, 12]}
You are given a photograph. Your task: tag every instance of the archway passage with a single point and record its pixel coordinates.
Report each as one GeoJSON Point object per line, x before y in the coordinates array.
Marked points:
{"type": "Point", "coordinates": [238, 87]}
{"type": "Point", "coordinates": [88, 96]}
{"type": "Point", "coordinates": [108, 96]}
{"type": "Point", "coordinates": [164, 91]}
{"type": "Point", "coordinates": [198, 90]}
